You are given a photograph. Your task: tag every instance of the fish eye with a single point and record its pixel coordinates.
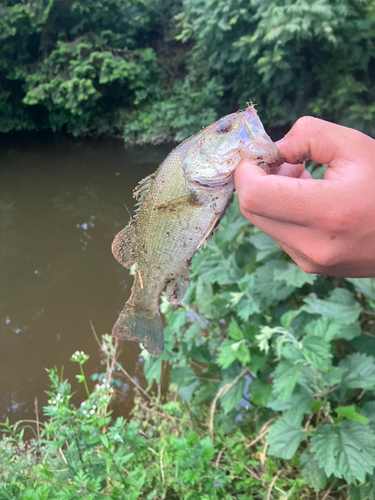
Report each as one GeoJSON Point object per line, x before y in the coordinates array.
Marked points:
{"type": "Point", "coordinates": [223, 126]}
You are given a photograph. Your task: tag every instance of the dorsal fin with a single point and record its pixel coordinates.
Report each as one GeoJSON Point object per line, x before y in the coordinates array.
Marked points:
{"type": "Point", "coordinates": [141, 190]}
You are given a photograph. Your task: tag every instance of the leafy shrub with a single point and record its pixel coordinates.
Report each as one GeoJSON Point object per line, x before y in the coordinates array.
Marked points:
{"type": "Point", "coordinates": [164, 451]}
{"type": "Point", "coordinates": [259, 339]}
{"type": "Point", "coordinates": [157, 70]}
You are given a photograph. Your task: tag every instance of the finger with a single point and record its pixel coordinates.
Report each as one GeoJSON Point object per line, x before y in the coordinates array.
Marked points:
{"type": "Point", "coordinates": [305, 175]}
{"type": "Point", "coordinates": [323, 142]}
{"type": "Point", "coordinates": [284, 198]}
{"type": "Point", "coordinates": [290, 170]}
{"type": "Point", "coordinates": [296, 242]}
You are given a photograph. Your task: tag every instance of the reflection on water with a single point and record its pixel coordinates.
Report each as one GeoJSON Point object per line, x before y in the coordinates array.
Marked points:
{"type": "Point", "coordinates": [61, 204]}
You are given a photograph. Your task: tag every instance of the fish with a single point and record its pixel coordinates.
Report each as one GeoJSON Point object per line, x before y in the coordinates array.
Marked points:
{"type": "Point", "coordinates": [177, 209]}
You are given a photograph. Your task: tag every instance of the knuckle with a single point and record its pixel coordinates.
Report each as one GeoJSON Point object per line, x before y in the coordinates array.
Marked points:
{"type": "Point", "coordinates": [305, 123]}
{"type": "Point", "coordinates": [324, 257]}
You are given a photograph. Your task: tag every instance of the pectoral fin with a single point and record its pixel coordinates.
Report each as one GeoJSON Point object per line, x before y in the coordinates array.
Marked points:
{"type": "Point", "coordinates": [123, 246]}
{"type": "Point", "coordinates": [178, 208]}
{"type": "Point", "coordinates": [209, 230]}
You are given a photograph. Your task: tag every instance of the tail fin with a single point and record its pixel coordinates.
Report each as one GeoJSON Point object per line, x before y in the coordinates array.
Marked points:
{"type": "Point", "coordinates": [133, 325]}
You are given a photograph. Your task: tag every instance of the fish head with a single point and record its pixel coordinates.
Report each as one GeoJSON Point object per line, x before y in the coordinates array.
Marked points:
{"type": "Point", "coordinates": [219, 148]}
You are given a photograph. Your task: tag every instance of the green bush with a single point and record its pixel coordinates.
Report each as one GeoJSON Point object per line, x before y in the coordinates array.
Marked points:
{"type": "Point", "coordinates": [257, 339]}
{"type": "Point", "coordinates": [163, 451]}
{"type": "Point", "coordinates": [157, 71]}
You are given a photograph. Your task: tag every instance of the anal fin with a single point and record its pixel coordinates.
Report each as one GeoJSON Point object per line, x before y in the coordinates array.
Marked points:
{"type": "Point", "coordinates": [177, 287]}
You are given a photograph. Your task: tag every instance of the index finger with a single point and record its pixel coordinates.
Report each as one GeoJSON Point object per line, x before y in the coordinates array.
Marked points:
{"type": "Point", "coordinates": [278, 197]}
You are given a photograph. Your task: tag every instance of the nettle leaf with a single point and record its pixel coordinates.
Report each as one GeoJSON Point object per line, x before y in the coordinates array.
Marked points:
{"type": "Point", "coordinates": [364, 285]}
{"type": "Point", "coordinates": [312, 474]}
{"type": "Point", "coordinates": [294, 276]}
{"type": "Point", "coordinates": [361, 371]}
{"type": "Point", "coordinates": [368, 411]}
{"type": "Point", "coordinates": [235, 331]}
{"type": "Point", "coordinates": [346, 450]}
{"type": "Point", "coordinates": [351, 412]}
{"type": "Point", "coordinates": [152, 368]}
{"type": "Point", "coordinates": [266, 286]}
{"type": "Point", "coordinates": [203, 296]}
{"type": "Point", "coordinates": [333, 377]}
{"type": "Point", "coordinates": [287, 374]}
{"type": "Point", "coordinates": [284, 438]}
{"type": "Point", "coordinates": [340, 306]}
{"type": "Point", "coordinates": [296, 406]}
{"type": "Point", "coordinates": [231, 398]}
{"type": "Point", "coordinates": [243, 354]}
{"type": "Point", "coordinates": [186, 381]}
{"type": "Point", "coordinates": [324, 328]}
{"type": "Point", "coordinates": [349, 332]}
{"type": "Point", "coordinates": [288, 317]}
{"type": "Point", "coordinates": [317, 351]}
{"type": "Point", "coordinates": [264, 244]}
{"type": "Point", "coordinates": [226, 354]}
{"type": "Point", "coordinates": [260, 392]}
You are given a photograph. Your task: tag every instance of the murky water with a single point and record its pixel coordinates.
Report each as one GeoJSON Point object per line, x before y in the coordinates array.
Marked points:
{"type": "Point", "coordinates": [61, 203]}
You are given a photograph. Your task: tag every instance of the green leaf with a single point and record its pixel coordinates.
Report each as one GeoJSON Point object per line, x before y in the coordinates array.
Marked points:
{"type": "Point", "coordinates": [351, 413]}
{"type": "Point", "coordinates": [288, 317]}
{"type": "Point", "coordinates": [296, 406]}
{"type": "Point", "coordinates": [182, 375]}
{"type": "Point", "coordinates": [284, 438]}
{"type": "Point", "coordinates": [152, 368]}
{"type": "Point", "coordinates": [368, 411]}
{"type": "Point", "coordinates": [227, 355]}
{"type": "Point", "coordinates": [243, 354]}
{"type": "Point", "coordinates": [235, 331]}
{"type": "Point", "coordinates": [231, 398]}
{"type": "Point", "coordinates": [349, 332]}
{"type": "Point", "coordinates": [346, 450]}
{"type": "Point", "coordinates": [361, 371]}
{"type": "Point", "coordinates": [312, 474]}
{"type": "Point", "coordinates": [340, 306]}
{"type": "Point", "coordinates": [104, 440]}
{"type": "Point", "coordinates": [364, 285]}
{"type": "Point", "coordinates": [317, 352]}
{"type": "Point", "coordinates": [324, 328]}
{"type": "Point", "coordinates": [287, 374]}
{"type": "Point", "coordinates": [266, 286]}
{"type": "Point", "coordinates": [264, 244]}
{"type": "Point", "coordinates": [294, 276]}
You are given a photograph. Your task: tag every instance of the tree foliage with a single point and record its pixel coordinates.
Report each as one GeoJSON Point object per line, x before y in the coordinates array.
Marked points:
{"type": "Point", "coordinates": [158, 71]}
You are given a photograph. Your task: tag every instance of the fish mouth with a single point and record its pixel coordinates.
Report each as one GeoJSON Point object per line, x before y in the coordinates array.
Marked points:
{"type": "Point", "coordinates": [260, 147]}
{"type": "Point", "coordinates": [213, 182]}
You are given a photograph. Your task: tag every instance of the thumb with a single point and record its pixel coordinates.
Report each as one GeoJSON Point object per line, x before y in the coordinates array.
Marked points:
{"type": "Point", "coordinates": [324, 142]}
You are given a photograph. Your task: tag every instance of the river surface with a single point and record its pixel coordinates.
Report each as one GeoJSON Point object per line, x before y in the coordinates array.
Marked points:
{"type": "Point", "coordinates": [62, 201]}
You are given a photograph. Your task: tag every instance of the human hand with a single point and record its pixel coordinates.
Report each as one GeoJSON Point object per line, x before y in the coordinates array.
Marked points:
{"type": "Point", "coordinates": [326, 226]}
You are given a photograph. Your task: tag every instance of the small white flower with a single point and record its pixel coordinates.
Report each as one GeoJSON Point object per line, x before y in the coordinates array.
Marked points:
{"type": "Point", "coordinates": [105, 396]}
{"type": "Point", "coordinates": [108, 386]}
{"type": "Point", "coordinates": [83, 403]}
{"type": "Point", "coordinates": [76, 353]}
{"type": "Point", "coordinates": [94, 406]}
{"type": "Point", "coordinates": [92, 412]}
